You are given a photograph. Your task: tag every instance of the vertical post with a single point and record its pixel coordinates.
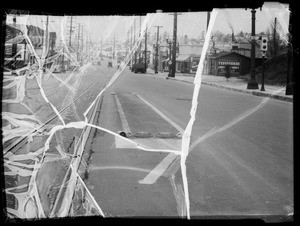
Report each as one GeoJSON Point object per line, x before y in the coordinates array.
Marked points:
{"type": "Point", "coordinates": [47, 33]}
{"type": "Point", "coordinates": [70, 38]}
{"type": "Point", "coordinates": [78, 41]}
{"type": "Point", "coordinates": [263, 74]}
{"type": "Point", "coordinates": [134, 40]}
{"type": "Point", "coordinates": [140, 47]}
{"type": "Point", "coordinates": [174, 45]}
{"type": "Point", "coordinates": [170, 58]}
{"type": "Point", "coordinates": [206, 55]}
{"type": "Point", "coordinates": [14, 48]}
{"type": "Point", "coordinates": [274, 38]}
{"type": "Point", "coordinates": [47, 40]}
{"type": "Point", "coordinates": [252, 84]}
{"type": "Point", "coordinates": [289, 78]}
{"type": "Point", "coordinates": [81, 43]}
{"type": "Point", "coordinates": [131, 45]}
{"type": "Point", "coordinates": [146, 49]}
{"type": "Point", "coordinates": [156, 52]}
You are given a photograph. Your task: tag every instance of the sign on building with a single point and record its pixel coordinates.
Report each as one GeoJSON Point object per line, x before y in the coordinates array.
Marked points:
{"type": "Point", "coordinates": [234, 66]}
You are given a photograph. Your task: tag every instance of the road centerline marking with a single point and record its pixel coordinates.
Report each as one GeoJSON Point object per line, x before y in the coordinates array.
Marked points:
{"type": "Point", "coordinates": [174, 124]}
{"type": "Point", "coordinates": [124, 121]}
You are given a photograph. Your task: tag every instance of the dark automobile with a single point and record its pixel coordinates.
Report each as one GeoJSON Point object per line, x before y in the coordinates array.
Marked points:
{"type": "Point", "coordinates": [139, 67]}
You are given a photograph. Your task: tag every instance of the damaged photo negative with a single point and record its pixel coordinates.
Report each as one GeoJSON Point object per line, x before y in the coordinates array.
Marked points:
{"type": "Point", "coordinates": [160, 115]}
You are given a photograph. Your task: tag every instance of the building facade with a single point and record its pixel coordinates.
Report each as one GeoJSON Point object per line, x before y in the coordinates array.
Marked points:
{"type": "Point", "coordinates": [238, 58]}
{"type": "Point", "coordinates": [238, 64]}
{"type": "Point", "coordinates": [188, 58]}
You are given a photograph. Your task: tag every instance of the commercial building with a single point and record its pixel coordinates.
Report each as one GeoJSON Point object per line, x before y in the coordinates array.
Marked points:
{"type": "Point", "coordinates": [188, 57]}
{"type": "Point", "coordinates": [238, 59]}
{"type": "Point", "coordinates": [16, 55]}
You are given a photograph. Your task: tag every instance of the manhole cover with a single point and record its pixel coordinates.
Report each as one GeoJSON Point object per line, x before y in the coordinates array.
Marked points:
{"type": "Point", "coordinates": [186, 99]}
{"type": "Point", "coordinates": [167, 135]}
{"type": "Point", "coordinates": [142, 135]}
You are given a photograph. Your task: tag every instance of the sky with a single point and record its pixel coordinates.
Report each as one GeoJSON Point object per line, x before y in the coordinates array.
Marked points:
{"type": "Point", "coordinates": [188, 23]}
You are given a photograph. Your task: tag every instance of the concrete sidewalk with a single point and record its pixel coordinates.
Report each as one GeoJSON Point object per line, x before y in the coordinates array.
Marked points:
{"type": "Point", "coordinates": [234, 83]}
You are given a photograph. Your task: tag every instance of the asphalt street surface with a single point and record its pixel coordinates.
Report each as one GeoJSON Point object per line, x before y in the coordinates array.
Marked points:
{"type": "Point", "coordinates": [240, 163]}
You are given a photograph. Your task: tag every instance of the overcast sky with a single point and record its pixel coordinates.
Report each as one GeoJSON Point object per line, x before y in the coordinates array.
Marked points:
{"type": "Point", "coordinates": [189, 23]}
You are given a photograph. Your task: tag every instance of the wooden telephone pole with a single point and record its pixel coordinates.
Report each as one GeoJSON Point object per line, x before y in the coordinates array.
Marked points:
{"type": "Point", "coordinates": [156, 52]}
{"type": "Point", "coordinates": [172, 74]}
{"type": "Point", "coordinates": [146, 49]}
{"type": "Point", "coordinates": [70, 38]}
{"type": "Point", "coordinates": [78, 41]}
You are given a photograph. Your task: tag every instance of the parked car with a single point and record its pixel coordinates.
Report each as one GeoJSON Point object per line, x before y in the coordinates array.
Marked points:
{"type": "Point", "coordinates": [139, 67]}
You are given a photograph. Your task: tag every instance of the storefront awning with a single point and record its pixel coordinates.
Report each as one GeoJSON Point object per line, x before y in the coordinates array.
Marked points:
{"type": "Point", "coordinates": [183, 58]}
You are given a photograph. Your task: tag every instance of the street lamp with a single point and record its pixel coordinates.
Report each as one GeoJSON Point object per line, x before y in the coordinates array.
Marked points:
{"type": "Point", "coordinates": [252, 83]}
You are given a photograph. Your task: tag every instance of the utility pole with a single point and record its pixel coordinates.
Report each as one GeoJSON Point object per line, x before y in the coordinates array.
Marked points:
{"type": "Point", "coordinates": [114, 46]}
{"type": "Point", "coordinates": [78, 35]}
{"type": "Point", "coordinates": [156, 52]}
{"type": "Point", "coordinates": [131, 45]}
{"type": "Point", "coordinates": [289, 78]}
{"type": "Point", "coordinates": [252, 84]}
{"type": "Point", "coordinates": [134, 40]}
{"type": "Point", "coordinates": [274, 38]}
{"type": "Point", "coordinates": [14, 48]}
{"type": "Point", "coordinates": [47, 32]}
{"type": "Point", "coordinates": [170, 57]}
{"type": "Point", "coordinates": [206, 55]}
{"type": "Point", "coordinates": [140, 47]}
{"type": "Point", "coordinates": [70, 37]}
{"type": "Point", "coordinates": [146, 49]}
{"type": "Point", "coordinates": [174, 43]}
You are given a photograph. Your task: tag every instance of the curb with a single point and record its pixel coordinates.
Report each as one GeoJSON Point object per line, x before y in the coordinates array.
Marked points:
{"type": "Point", "coordinates": [255, 93]}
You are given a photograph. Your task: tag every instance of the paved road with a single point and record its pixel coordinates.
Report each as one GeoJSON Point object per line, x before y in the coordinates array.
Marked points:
{"type": "Point", "coordinates": [241, 163]}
